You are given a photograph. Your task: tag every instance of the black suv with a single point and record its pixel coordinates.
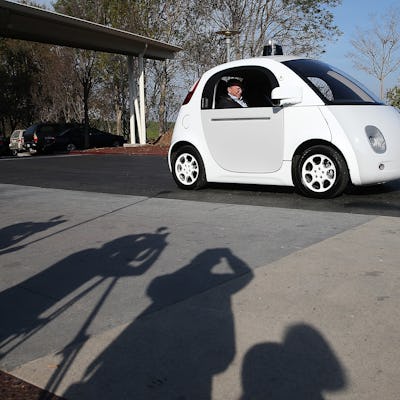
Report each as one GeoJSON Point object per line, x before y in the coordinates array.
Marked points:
{"type": "Point", "coordinates": [40, 138]}
{"type": "Point", "coordinates": [4, 146]}
{"type": "Point", "coordinates": [73, 137]}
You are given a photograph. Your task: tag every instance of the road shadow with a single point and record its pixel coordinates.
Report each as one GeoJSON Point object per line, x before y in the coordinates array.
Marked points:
{"type": "Point", "coordinates": [245, 188]}
{"type": "Point", "coordinates": [377, 189]}
{"type": "Point", "coordinates": [13, 234]}
{"type": "Point", "coordinates": [23, 306]}
{"type": "Point", "coordinates": [351, 190]}
{"type": "Point", "coordinates": [173, 352]}
{"type": "Point", "coordinates": [302, 367]}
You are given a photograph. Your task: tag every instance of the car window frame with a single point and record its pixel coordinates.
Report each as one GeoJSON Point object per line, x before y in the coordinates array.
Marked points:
{"type": "Point", "coordinates": [345, 83]}
{"type": "Point", "coordinates": [250, 75]}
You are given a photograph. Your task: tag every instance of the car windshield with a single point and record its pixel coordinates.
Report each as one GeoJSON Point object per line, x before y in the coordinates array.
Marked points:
{"type": "Point", "coordinates": [331, 84]}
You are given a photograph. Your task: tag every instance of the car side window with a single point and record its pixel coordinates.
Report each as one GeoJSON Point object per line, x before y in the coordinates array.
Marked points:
{"type": "Point", "coordinates": [46, 129]}
{"type": "Point", "coordinates": [322, 86]}
{"type": "Point", "coordinates": [77, 133]}
{"type": "Point", "coordinates": [257, 82]}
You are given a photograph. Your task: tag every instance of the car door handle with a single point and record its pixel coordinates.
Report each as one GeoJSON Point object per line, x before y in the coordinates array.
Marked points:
{"type": "Point", "coordinates": [242, 119]}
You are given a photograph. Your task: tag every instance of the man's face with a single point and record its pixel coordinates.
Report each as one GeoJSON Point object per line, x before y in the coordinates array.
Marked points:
{"type": "Point", "coordinates": [235, 90]}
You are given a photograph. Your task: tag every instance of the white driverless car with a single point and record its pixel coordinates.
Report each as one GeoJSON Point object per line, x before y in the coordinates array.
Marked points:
{"type": "Point", "coordinates": [307, 125]}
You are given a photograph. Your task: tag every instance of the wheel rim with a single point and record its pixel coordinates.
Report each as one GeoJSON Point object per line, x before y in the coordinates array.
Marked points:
{"type": "Point", "coordinates": [71, 147]}
{"type": "Point", "coordinates": [186, 169]}
{"type": "Point", "coordinates": [319, 173]}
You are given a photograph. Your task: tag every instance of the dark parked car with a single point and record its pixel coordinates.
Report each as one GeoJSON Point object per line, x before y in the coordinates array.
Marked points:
{"type": "Point", "coordinates": [4, 146]}
{"type": "Point", "coordinates": [40, 138]}
{"type": "Point", "coordinates": [74, 138]}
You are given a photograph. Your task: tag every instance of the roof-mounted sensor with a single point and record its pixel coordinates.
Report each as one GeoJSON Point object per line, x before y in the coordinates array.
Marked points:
{"type": "Point", "coordinates": [272, 49]}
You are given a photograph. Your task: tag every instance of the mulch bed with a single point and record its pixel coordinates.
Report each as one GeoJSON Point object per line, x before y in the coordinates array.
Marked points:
{"type": "Point", "coordinates": [12, 388]}
{"type": "Point", "coordinates": [147, 149]}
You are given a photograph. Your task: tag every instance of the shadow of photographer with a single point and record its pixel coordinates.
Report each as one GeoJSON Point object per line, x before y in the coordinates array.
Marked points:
{"type": "Point", "coordinates": [173, 352]}
{"type": "Point", "coordinates": [13, 234]}
{"type": "Point", "coordinates": [302, 367]}
{"type": "Point", "coordinates": [43, 297]}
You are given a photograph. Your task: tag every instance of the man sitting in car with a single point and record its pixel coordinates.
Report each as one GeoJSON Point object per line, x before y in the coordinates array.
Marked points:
{"type": "Point", "coordinates": [233, 97]}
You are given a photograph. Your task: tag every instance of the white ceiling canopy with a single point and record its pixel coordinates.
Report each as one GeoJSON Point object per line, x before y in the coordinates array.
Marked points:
{"type": "Point", "coordinates": [20, 21]}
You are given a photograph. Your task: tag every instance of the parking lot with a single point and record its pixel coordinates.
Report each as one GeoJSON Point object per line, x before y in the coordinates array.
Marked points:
{"type": "Point", "coordinates": [126, 287]}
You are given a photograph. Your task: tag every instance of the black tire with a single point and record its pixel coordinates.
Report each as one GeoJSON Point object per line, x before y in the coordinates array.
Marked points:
{"type": "Point", "coordinates": [188, 169]}
{"type": "Point", "coordinates": [71, 147]}
{"type": "Point", "coordinates": [320, 172]}
{"type": "Point", "coordinates": [14, 153]}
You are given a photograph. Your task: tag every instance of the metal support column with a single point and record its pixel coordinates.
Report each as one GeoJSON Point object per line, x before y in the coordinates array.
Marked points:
{"type": "Point", "coordinates": [137, 106]}
{"type": "Point", "coordinates": [131, 80]}
{"type": "Point", "coordinates": [142, 106]}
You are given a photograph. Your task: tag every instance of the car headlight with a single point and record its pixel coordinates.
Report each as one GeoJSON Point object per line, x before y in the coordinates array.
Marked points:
{"type": "Point", "coordinates": [376, 139]}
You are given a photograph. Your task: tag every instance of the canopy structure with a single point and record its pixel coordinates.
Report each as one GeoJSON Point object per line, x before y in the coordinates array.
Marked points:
{"type": "Point", "coordinates": [20, 21]}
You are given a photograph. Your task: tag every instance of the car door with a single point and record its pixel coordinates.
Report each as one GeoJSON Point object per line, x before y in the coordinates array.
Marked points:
{"type": "Point", "coordinates": [245, 140]}
{"type": "Point", "coordinates": [14, 139]}
{"type": "Point", "coordinates": [77, 137]}
{"type": "Point", "coordinates": [98, 139]}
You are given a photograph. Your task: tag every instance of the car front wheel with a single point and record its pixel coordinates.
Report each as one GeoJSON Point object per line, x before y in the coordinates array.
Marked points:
{"type": "Point", "coordinates": [188, 169]}
{"type": "Point", "coordinates": [71, 147]}
{"type": "Point", "coordinates": [320, 172]}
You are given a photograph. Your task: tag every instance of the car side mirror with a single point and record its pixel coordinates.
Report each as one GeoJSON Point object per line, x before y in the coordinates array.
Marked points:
{"type": "Point", "coordinates": [287, 95]}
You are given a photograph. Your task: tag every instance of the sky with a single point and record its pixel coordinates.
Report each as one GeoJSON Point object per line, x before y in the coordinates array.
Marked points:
{"type": "Point", "coordinates": [352, 14]}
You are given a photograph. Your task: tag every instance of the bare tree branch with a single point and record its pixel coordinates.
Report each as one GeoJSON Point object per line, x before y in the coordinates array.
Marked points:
{"type": "Point", "coordinates": [377, 50]}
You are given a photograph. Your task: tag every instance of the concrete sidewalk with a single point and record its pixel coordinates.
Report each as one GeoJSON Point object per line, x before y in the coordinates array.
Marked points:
{"type": "Point", "coordinates": [240, 302]}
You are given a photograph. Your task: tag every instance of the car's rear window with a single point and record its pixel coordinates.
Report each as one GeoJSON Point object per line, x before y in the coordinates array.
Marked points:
{"type": "Point", "coordinates": [47, 129]}
{"type": "Point", "coordinates": [31, 129]}
{"type": "Point", "coordinates": [331, 84]}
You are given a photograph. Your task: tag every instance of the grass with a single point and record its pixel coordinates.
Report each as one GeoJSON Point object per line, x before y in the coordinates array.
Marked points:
{"type": "Point", "coordinates": [152, 129]}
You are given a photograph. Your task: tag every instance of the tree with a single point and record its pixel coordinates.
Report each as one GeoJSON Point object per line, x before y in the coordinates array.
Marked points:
{"type": "Point", "coordinates": [86, 63]}
{"type": "Point", "coordinates": [162, 20]}
{"type": "Point", "coordinates": [58, 89]}
{"type": "Point", "coordinates": [17, 78]}
{"type": "Point", "coordinates": [110, 99]}
{"type": "Point", "coordinates": [377, 49]}
{"type": "Point", "coordinates": [38, 84]}
{"type": "Point", "coordinates": [301, 26]}
{"type": "Point", "coordinates": [393, 96]}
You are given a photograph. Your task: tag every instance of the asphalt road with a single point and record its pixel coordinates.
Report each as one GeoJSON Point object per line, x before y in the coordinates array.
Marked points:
{"type": "Point", "coordinates": [149, 176]}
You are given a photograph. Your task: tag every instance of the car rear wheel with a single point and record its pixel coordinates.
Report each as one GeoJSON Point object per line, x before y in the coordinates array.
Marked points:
{"type": "Point", "coordinates": [71, 147]}
{"type": "Point", "coordinates": [14, 153]}
{"type": "Point", "coordinates": [320, 172]}
{"type": "Point", "coordinates": [188, 169]}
